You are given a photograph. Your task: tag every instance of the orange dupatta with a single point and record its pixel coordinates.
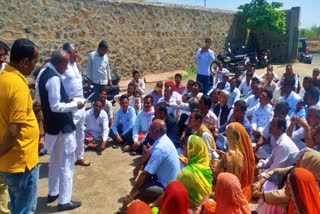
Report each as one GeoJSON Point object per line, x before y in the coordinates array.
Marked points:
{"type": "Point", "coordinates": [304, 192]}
{"type": "Point", "coordinates": [240, 157]}
{"type": "Point", "coordinates": [229, 196]}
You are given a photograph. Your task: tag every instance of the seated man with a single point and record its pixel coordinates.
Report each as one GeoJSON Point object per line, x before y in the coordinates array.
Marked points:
{"type": "Point", "coordinates": [262, 114]}
{"type": "Point", "coordinates": [156, 93]}
{"type": "Point", "coordinates": [138, 83]}
{"type": "Point", "coordinates": [178, 86]}
{"type": "Point", "coordinates": [97, 126]}
{"type": "Point", "coordinates": [199, 129]}
{"type": "Point", "coordinates": [142, 124]}
{"type": "Point", "coordinates": [130, 90]}
{"type": "Point", "coordinates": [162, 167]}
{"type": "Point", "coordinates": [107, 106]}
{"type": "Point", "coordinates": [124, 120]}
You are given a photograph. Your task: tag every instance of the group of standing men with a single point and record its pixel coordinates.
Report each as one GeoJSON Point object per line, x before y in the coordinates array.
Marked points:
{"type": "Point", "coordinates": [59, 89]}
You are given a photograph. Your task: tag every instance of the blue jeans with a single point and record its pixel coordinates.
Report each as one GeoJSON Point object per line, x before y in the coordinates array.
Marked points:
{"type": "Point", "coordinates": [23, 190]}
{"type": "Point", "coordinates": [204, 81]}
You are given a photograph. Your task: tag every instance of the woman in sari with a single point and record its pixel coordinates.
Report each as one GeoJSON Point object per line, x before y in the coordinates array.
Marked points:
{"type": "Point", "coordinates": [228, 197]}
{"type": "Point", "coordinates": [174, 200]}
{"type": "Point", "coordinates": [239, 159]}
{"type": "Point", "coordinates": [310, 160]}
{"type": "Point", "coordinates": [196, 176]}
{"type": "Point", "coordinates": [301, 188]}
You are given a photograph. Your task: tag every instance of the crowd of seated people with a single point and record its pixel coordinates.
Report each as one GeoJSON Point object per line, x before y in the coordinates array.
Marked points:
{"type": "Point", "coordinates": [197, 147]}
{"type": "Point", "coordinates": [200, 151]}
{"type": "Point", "coordinates": [246, 130]}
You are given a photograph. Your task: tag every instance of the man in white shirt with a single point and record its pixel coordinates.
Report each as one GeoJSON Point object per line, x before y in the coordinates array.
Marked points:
{"type": "Point", "coordinates": [288, 94]}
{"type": "Point", "coordinates": [72, 82]}
{"type": "Point", "coordinates": [204, 57]}
{"type": "Point", "coordinates": [284, 152]}
{"type": "Point", "coordinates": [234, 92]}
{"type": "Point", "coordinates": [97, 124]}
{"type": "Point", "coordinates": [262, 114]}
{"type": "Point", "coordinates": [98, 69]}
{"type": "Point", "coordinates": [253, 99]}
{"type": "Point", "coordinates": [169, 100]}
{"type": "Point", "coordinates": [219, 73]}
{"type": "Point", "coordinates": [59, 127]}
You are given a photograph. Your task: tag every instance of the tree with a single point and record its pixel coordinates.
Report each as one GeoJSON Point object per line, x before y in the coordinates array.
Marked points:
{"type": "Point", "coordinates": [261, 15]}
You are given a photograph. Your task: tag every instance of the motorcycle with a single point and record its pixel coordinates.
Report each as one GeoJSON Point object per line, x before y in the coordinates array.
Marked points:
{"type": "Point", "coordinates": [264, 58]}
{"type": "Point", "coordinates": [230, 60]}
{"type": "Point", "coordinates": [251, 55]}
{"type": "Point", "coordinates": [111, 91]}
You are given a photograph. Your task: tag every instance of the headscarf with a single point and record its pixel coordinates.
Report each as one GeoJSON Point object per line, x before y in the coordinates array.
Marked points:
{"type": "Point", "coordinates": [138, 207]}
{"type": "Point", "coordinates": [304, 192]}
{"type": "Point", "coordinates": [196, 176]}
{"type": "Point", "coordinates": [311, 161]}
{"type": "Point", "coordinates": [175, 199]}
{"type": "Point", "coordinates": [240, 157]}
{"type": "Point", "coordinates": [229, 196]}
{"type": "Point", "coordinates": [169, 83]}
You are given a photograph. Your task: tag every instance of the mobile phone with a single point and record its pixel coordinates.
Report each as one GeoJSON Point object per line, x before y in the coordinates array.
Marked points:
{"type": "Point", "coordinates": [214, 154]}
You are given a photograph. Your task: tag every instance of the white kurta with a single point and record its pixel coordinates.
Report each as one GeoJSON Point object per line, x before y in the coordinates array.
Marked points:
{"type": "Point", "coordinates": [61, 147]}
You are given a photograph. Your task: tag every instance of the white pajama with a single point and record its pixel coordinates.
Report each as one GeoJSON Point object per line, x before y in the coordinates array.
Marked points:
{"type": "Point", "coordinates": [79, 119]}
{"type": "Point", "coordinates": [61, 165]}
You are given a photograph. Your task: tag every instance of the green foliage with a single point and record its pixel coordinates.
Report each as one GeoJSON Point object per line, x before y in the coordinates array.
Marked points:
{"type": "Point", "coordinates": [259, 14]}
{"type": "Point", "coordinates": [191, 73]}
{"type": "Point", "coordinates": [313, 32]}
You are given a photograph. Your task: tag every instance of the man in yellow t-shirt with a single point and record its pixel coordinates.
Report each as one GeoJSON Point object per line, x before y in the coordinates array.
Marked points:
{"type": "Point", "coordinates": [4, 49]}
{"type": "Point", "coordinates": [19, 130]}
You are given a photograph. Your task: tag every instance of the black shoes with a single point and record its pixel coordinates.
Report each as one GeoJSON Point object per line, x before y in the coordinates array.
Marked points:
{"type": "Point", "coordinates": [69, 206]}
{"type": "Point", "coordinates": [51, 199]}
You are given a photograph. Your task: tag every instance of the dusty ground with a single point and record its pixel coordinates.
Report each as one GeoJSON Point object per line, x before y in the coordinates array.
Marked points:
{"type": "Point", "coordinates": [102, 185]}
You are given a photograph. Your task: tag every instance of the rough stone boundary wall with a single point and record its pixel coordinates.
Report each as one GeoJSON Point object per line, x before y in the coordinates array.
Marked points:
{"type": "Point", "coordinates": [152, 37]}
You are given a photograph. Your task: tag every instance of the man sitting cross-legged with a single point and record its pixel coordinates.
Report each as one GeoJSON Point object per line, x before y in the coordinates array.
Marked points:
{"type": "Point", "coordinates": [125, 118]}
{"type": "Point", "coordinates": [97, 125]}
{"type": "Point", "coordinates": [141, 125]}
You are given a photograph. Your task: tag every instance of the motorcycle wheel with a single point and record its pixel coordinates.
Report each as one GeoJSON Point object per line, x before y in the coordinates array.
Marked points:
{"type": "Point", "coordinates": [213, 66]}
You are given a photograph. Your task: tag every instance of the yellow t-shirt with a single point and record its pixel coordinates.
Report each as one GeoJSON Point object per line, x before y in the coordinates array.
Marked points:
{"type": "Point", "coordinates": [16, 107]}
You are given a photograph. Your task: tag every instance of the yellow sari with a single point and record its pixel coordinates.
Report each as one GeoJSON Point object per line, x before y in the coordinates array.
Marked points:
{"type": "Point", "coordinates": [240, 159]}
{"type": "Point", "coordinates": [196, 176]}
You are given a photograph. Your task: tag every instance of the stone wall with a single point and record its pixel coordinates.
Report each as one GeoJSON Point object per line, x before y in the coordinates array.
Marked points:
{"type": "Point", "coordinates": [151, 37]}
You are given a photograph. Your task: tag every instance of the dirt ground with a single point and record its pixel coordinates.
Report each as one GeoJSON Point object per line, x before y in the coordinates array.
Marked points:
{"type": "Point", "coordinates": [102, 185]}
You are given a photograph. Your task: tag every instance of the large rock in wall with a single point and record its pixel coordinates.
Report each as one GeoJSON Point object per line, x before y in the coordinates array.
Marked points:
{"type": "Point", "coordinates": [151, 37]}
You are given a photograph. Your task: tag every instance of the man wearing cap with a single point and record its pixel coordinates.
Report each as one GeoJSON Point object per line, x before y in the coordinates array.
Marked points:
{"type": "Point", "coordinates": [98, 69]}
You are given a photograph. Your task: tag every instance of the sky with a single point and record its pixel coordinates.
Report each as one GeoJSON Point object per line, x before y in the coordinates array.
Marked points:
{"type": "Point", "coordinates": [309, 14]}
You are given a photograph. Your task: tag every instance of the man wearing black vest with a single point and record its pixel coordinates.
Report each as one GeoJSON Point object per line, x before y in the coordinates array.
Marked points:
{"type": "Point", "coordinates": [60, 138]}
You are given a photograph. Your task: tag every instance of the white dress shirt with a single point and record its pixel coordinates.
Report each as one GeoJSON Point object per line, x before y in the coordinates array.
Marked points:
{"type": "Point", "coordinates": [72, 81]}
{"type": "Point", "coordinates": [261, 116]}
{"type": "Point", "coordinates": [97, 127]}
{"type": "Point", "coordinates": [284, 153]}
{"type": "Point", "coordinates": [53, 86]}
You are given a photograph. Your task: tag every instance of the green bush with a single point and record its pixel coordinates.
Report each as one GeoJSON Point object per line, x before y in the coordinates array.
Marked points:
{"type": "Point", "coordinates": [191, 73]}
{"type": "Point", "coordinates": [312, 32]}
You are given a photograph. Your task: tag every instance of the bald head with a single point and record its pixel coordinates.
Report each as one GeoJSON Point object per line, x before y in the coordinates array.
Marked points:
{"type": "Point", "coordinates": [157, 129]}
{"type": "Point", "coordinates": [59, 59]}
